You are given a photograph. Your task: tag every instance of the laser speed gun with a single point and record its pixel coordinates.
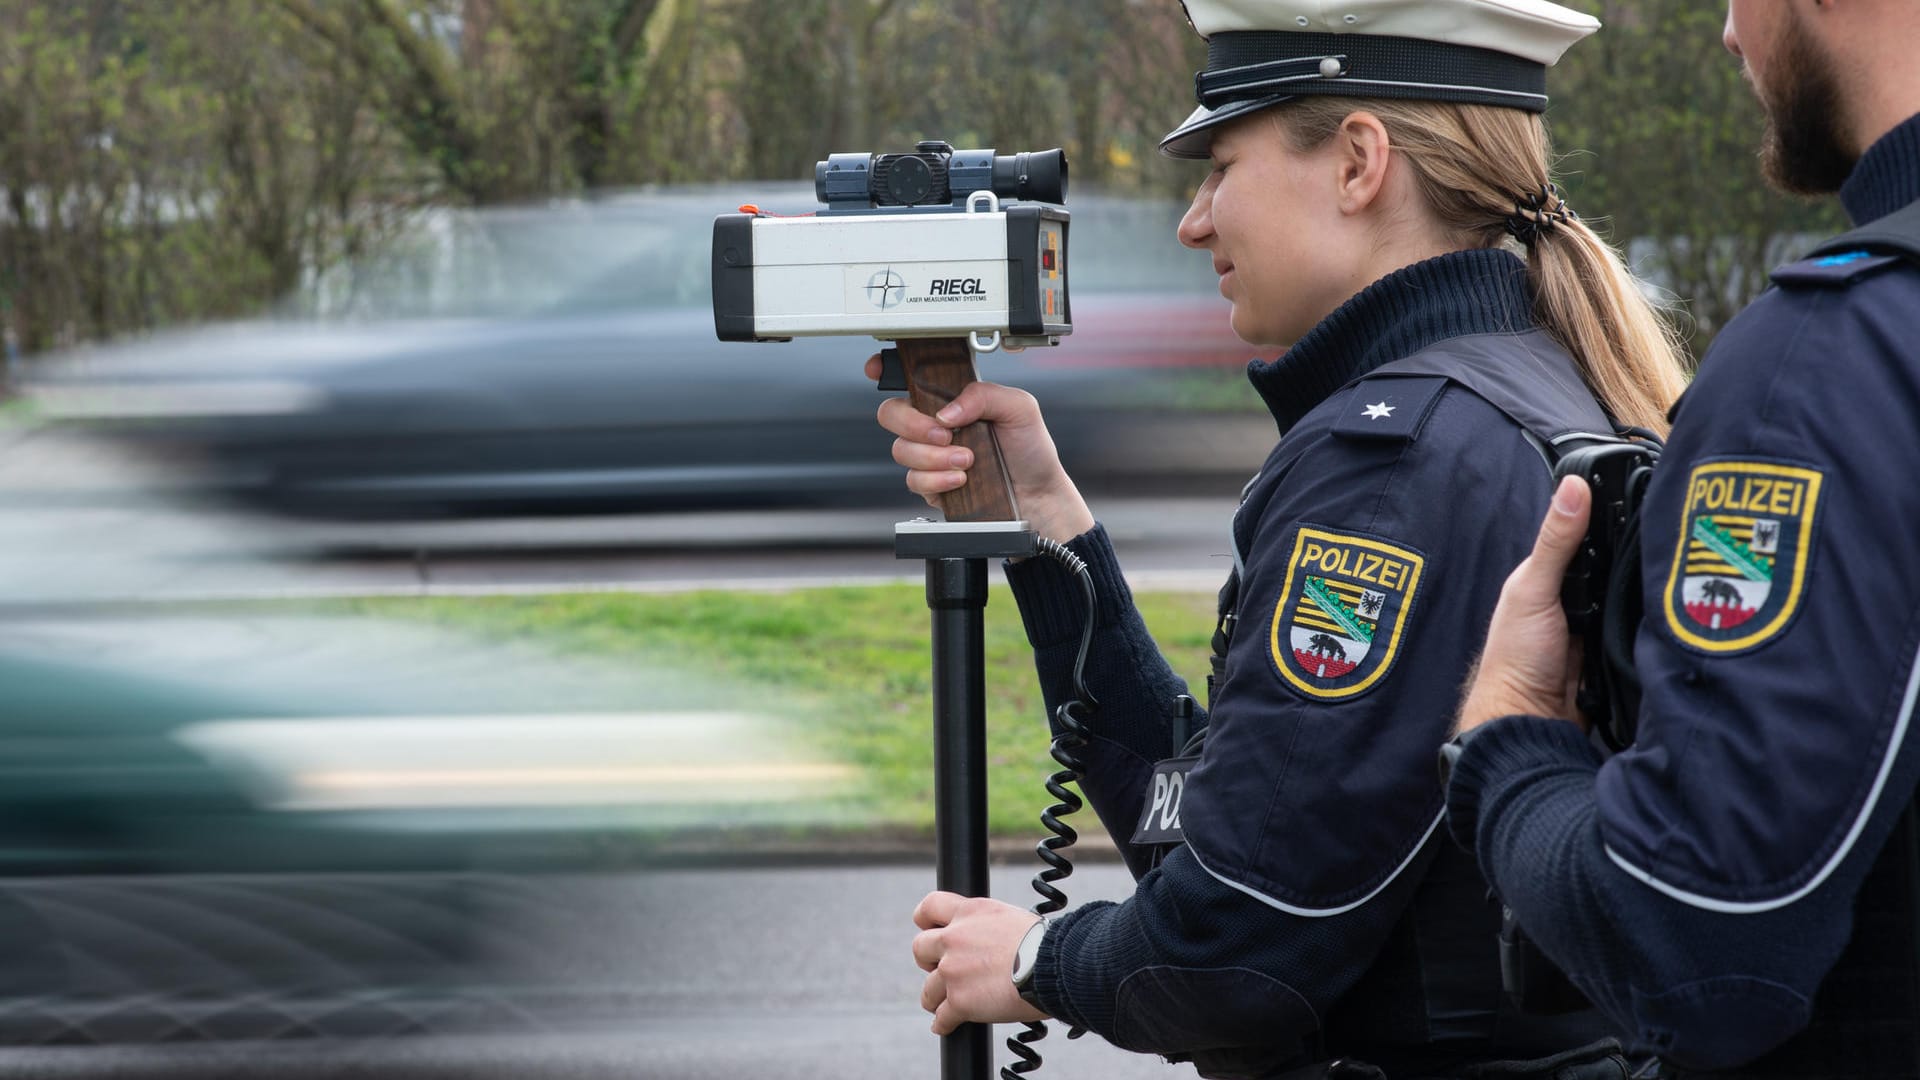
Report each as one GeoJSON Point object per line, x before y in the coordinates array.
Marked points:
{"type": "Point", "coordinates": [948, 253]}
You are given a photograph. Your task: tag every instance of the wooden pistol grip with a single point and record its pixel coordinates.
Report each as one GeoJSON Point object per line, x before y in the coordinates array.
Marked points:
{"type": "Point", "coordinates": [937, 369]}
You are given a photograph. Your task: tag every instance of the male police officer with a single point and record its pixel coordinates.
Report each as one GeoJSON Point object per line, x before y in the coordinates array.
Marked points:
{"type": "Point", "coordinates": [1738, 888]}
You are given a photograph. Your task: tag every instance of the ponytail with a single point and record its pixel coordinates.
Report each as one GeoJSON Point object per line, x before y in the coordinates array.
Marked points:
{"type": "Point", "coordinates": [1483, 172]}
{"type": "Point", "coordinates": [1587, 299]}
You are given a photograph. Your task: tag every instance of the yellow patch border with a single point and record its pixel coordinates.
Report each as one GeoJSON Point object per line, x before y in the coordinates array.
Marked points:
{"type": "Point", "coordinates": [1286, 591]}
{"type": "Point", "coordinates": [1802, 549]}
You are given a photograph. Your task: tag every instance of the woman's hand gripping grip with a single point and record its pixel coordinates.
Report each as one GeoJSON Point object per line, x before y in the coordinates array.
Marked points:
{"type": "Point", "coordinates": [937, 369]}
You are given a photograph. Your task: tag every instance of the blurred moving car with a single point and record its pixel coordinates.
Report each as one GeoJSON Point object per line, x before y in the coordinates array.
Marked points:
{"type": "Point", "coordinates": [563, 357]}
{"type": "Point", "coordinates": [282, 828]}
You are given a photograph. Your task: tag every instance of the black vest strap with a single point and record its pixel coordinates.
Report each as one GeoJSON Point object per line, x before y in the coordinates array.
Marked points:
{"type": "Point", "coordinates": [1896, 234]}
{"type": "Point", "coordinates": [1228, 615]}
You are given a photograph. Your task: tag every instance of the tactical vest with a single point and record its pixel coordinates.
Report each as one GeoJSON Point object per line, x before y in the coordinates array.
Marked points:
{"type": "Point", "coordinates": [1551, 418]}
{"type": "Point", "coordinates": [1553, 409]}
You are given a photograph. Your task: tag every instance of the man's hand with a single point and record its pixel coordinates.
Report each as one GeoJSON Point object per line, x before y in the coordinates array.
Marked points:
{"type": "Point", "coordinates": [966, 946]}
{"type": "Point", "coordinates": [1529, 665]}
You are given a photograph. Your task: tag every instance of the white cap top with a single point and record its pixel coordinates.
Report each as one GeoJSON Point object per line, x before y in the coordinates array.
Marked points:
{"type": "Point", "coordinates": [1534, 30]}
{"type": "Point", "coordinates": [1264, 52]}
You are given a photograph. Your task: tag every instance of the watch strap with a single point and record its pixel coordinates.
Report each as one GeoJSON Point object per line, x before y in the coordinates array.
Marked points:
{"type": "Point", "coordinates": [1450, 755]}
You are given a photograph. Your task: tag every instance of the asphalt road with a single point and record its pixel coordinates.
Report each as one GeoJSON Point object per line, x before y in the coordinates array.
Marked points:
{"type": "Point", "coordinates": [718, 973]}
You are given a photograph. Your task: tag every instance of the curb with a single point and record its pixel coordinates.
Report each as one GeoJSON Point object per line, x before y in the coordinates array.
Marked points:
{"type": "Point", "coordinates": [860, 849]}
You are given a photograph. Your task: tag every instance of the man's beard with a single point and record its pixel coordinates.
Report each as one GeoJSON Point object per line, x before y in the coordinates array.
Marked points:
{"type": "Point", "coordinates": [1801, 152]}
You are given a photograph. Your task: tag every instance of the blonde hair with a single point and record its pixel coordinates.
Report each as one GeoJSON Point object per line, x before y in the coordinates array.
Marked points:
{"type": "Point", "coordinates": [1475, 165]}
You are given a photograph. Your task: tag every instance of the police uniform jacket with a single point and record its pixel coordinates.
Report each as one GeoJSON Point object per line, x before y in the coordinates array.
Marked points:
{"type": "Point", "coordinates": [1701, 885]}
{"type": "Point", "coordinates": [1313, 910]}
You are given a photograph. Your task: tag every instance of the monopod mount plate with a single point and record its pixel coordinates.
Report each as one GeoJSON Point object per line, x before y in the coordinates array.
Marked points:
{"type": "Point", "coordinates": [922, 538]}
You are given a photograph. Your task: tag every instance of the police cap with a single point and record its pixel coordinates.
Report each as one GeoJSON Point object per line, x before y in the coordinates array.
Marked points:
{"type": "Point", "coordinates": [1479, 52]}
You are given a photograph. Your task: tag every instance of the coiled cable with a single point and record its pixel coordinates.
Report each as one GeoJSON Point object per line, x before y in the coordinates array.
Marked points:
{"type": "Point", "coordinates": [1070, 737]}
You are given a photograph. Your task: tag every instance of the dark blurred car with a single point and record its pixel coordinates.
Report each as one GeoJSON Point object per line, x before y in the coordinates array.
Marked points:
{"type": "Point", "coordinates": [563, 357]}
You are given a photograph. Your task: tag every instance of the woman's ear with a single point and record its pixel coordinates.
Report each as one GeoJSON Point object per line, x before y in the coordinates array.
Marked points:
{"type": "Point", "coordinates": [1361, 157]}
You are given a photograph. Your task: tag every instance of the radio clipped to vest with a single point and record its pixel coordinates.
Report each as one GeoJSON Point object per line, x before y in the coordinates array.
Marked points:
{"type": "Point", "coordinates": [1601, 597]}
{"type": "Point", "coordinates": [1601, 591]}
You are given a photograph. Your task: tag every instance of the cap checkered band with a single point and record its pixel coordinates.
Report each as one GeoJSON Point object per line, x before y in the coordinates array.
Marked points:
{"type": "Point", "coordinates": [1248, 64]}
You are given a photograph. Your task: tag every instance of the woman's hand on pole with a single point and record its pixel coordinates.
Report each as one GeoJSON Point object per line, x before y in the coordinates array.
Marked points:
{"type": "Point", "coordinates": [967, 948]}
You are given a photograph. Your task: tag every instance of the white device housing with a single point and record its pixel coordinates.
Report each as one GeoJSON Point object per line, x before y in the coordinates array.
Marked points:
{"type": "Point", "coordinates": [930, 273]}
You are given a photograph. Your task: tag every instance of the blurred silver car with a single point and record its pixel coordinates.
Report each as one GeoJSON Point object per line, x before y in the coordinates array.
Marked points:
{"type": "Point", "coordinates": [563, 357]}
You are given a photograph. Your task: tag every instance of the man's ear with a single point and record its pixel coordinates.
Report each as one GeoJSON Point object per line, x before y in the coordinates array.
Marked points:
{"type": "Point", "coordinates": [1362, 154]}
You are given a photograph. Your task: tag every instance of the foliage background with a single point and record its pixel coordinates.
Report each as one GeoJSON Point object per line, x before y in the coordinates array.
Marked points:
{"type": "Point", "coordinates": [195, 159]}
{"type": "Point", "coordinates": [1659, 134]}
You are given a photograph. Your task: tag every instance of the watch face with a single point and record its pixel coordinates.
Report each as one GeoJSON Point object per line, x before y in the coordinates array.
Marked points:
{"type": "Point", "coordinates": [1028, 955]}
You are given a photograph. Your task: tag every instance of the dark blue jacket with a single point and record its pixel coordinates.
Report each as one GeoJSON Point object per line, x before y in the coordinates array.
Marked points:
{"type": "Point", "coordinates": [1700, 885]}
{"type": "Point", "coordinates": [1314, 909]}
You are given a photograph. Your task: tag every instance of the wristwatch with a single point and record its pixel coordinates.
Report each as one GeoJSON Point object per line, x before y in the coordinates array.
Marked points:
{"type": "Point", "coordinates": [1026, 959]}
{"type": "Point", "coordinates": [1450, 754]}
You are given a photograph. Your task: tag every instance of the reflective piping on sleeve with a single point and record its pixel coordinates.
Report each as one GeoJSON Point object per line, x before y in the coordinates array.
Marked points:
{"type": "Point", "coordinates": [1322, 913]}
{"type": "Point", "coordinates": [1754, 907]}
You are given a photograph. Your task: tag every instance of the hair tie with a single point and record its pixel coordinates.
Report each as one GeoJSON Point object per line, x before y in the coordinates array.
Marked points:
{"type": "Point", "coordinates": [1539, 213]}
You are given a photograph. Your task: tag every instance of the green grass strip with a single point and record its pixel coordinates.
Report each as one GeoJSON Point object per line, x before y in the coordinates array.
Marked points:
{"type": "Point", "coordinates": [849, 668]}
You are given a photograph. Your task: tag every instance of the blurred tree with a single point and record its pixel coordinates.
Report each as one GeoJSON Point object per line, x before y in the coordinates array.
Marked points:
{"type": "Point", "coordinates": [809, 81]}
{"type": "Point", "coordinates": [1103, 78]}
{"type": "Point", "coordinates": [1128, 75]}
{"type": "Point", "coordinates": [161, 162]}
{"type": "Point", "coordinates": [289, 156]}
{"type": "Point", "coordinates": [60, 101]}
{"type": "Point", "coordinates": [508, 98]}
{"type": "Point", "coordinates": [1660, 132]}
{"type": "Point", "coordinates": [177, 163]}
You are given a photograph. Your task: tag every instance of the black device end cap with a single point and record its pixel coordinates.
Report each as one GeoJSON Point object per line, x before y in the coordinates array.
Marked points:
{"type": "Point", "coordinates": [733, 277]}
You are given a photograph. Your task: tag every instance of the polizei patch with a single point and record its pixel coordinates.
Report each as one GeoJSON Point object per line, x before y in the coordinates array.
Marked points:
{"type": "Point", "coordinates": [1741, 561]}
{"type": "Point", "coordinates": [1342, 611]}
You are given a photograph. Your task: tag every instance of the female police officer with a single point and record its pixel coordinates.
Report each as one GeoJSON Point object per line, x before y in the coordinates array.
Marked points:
{"type": "Point", "coordinates": [1380, 200]}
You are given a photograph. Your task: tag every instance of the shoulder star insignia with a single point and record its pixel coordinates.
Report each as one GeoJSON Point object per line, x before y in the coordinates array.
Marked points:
{"type": "Point", "coordinates": [1380, 411]}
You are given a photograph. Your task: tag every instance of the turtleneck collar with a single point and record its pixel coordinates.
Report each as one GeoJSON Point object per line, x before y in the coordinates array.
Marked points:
{"type": "Point", "coordinates": [1483, 291]}
{"type": "Point", "coordinates": [1887, 176]}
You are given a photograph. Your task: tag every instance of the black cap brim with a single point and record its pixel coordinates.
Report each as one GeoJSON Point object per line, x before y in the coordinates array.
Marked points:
{"type": "Point", "coordinates": [1249, 70]}
{"type": "Point", "coordinates": [1193, 139]}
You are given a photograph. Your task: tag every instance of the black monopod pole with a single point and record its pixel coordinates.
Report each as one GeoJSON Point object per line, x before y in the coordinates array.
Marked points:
{"type": "Point", "coordinates": [957, 595]}
{"type": "Point", "coordinates": [956, 554]}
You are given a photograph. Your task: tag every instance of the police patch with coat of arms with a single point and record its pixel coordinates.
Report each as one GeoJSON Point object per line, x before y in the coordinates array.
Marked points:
{"type": "Point", "coordinates": [1342, 611]}
{"type": "Point", "coordinates": [1740, 565]}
